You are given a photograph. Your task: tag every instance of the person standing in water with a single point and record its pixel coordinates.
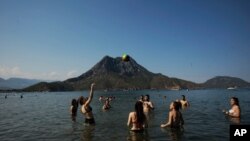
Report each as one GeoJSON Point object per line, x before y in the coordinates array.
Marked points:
{"type": "Point", "coordinates": [235, 108]}
{"type": "Point", "coordinates": [184, 102]}
{"type": "Point", "coordinates": [73, 109]}
{"type": "Point", "coordinates": [137, 118]}
{"type": "Point", "coordinates": [147, 104]}
{"type": "Point", "coordinates": [86, 109]}
{"type": "Point", "coordinates": [175, 119]}
{"type": "Point", "coordinates": [106, 105]}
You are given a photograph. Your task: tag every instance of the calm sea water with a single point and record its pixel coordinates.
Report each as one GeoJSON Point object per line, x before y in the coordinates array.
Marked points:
{"type": "Point", "coordinates": [45, 116]}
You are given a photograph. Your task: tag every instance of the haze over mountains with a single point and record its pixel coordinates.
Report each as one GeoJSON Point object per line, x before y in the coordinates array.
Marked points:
{"type": "Point", "coordinates": [17, 83]}
{"type": "Point", "coordinates": [115, 74]}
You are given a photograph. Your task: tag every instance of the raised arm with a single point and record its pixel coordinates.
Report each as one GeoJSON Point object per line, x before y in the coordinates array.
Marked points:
{"type": "Point", "coordinates": [90, 94]}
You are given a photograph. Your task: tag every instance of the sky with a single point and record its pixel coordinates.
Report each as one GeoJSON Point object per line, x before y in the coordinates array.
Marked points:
{"type": "Point", "coordinates": [193, 40]}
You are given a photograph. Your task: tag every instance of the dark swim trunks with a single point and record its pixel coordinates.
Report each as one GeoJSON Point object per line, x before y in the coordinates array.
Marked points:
{"type": "Point", "coordinates": [90, 121]}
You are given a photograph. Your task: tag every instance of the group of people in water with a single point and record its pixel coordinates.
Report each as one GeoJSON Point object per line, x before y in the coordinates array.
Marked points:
{"type": "Point", "coordinates": [138, 119]}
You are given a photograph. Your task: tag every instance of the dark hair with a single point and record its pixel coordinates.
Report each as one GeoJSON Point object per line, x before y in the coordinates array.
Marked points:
{"type": "Point", "coordinates": [139, 112]}
{"type": "Point", "coordinates": [81, 100]}
{"type": "Point", "coordinates": [183, 97]}
{"type": "Point", "coordinates": [147, 97]}
{"type": "Point", "coordinates": [236, 101]}
{"type": "Point", "coordinates": [176, 105]}
{"type": "Point", "coordinates": [74, 103]}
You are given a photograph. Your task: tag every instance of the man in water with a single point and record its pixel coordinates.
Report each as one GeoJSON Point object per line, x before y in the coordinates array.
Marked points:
{"type": "Point", "coordinates": [184, 102]}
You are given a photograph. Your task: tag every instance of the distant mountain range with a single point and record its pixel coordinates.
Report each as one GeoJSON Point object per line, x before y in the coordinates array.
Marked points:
{"type": "Point", "coordinates": [225, 82]}
{"type": "Point", "coordinates": [115, 74]}
{"type": "Point", "coordinates": [16, 83]}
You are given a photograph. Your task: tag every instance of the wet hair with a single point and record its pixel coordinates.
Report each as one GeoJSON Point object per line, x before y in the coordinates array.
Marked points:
{"type": "Point", "coordinates": [139, 112]}
{"type": "Point", "coordinates": [176, 105]}
{"type": "Point", "coordinates": [81, 100]}
{"type": "Point", "coordinates": [74, 103]}
{"type": "Point", "coordinates": [236, 101]}
{"type": "Point", "coordinates": [183, 97]}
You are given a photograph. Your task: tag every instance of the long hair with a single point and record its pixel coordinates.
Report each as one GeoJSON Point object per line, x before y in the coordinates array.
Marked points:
{"type": "Point", "coordinates": [81, 100]}
{"type": "Point", "coordinates": [236, 101]}
{"type": "Point", "coordinates": [74, 103]}
{"type": "Point", "coordinates": [139, 112]}
{"type": "Point", "coordinates": [148, 97]}
{"type": "Point", "coordinates": [176, 105]}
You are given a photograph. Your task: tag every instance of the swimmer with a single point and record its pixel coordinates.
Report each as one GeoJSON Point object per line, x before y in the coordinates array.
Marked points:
{"type": "Point", "coordinates": [101, 98]}
{"type": "Point", "coordinates": [5, 96]}
{"type": "Point", "coordinates": [106, 105]}
{"type": "Point", "coordinates": [175, 119]}
{"type": "Point", "coordinates": [73, 109]}
{"type": "Point", "coordinates": [235, 108]}
{"type": "Point", "coordinates": [141, 98]}
{"type": "Point", "coordinates": [86, 108]}
{"type": "Point", "coordinates": [184, 102]}
{"type": "Point", "coordinates": [137, 118]}
{"type": "Point", "coordinates": [147, 104]}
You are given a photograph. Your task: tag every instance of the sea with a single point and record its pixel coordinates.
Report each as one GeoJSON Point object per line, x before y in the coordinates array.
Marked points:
{"type": "Point", "coordinates": [46, 116]}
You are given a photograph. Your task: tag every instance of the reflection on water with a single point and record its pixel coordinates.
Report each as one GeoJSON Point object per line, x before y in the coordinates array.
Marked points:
{"type": "Point", "coordinates": [173, 134]}
{"type": "Point", "coordinates": [88, 133]}
{"type": "Point", "coordinates": [45, 116]}
{"type": "Point", "coordinates": [133, 136]}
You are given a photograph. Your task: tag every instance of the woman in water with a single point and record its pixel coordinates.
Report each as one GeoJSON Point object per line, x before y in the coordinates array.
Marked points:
{"type": "Point", "coordinates": [175, 119]}
{"type": "Point", "coordinates": [86, 108]}
{"type": "Point", "coordinates": [137, 119]}
{"type": "Point", "coordinates": [73, 109]}
{"type": "Point", "coordinates": [106, 105]}
{"type": "Point", "coordinates": [147, 104]}
{"type": "Point", "coordinates": [235, 108]}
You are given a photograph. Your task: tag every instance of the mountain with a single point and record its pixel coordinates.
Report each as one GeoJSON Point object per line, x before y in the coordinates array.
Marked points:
{"type": "Point", "coordinates": [16, 83]}
{"type": "Point", "coordinates": [225, 82]}
{"type": "Point", "coordinates": [113, 73]}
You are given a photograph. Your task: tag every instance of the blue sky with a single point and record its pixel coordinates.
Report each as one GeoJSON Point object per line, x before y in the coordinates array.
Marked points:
{"type": "Point", "coordinates": [58, 39]}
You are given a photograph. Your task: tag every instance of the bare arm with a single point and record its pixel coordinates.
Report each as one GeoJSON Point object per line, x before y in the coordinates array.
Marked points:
{"type": "Point", "coordinates": [90, 95]}
{"type": "Point", "coordinates": [151, 105]}
{"type": "Point", "coordinates": [169, 121]}
{"type": "Point", "coordinates": [129, 119]}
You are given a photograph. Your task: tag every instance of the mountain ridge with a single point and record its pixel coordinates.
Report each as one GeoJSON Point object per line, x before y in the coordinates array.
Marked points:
{"type": "Point", "coordinates": [114, 74]}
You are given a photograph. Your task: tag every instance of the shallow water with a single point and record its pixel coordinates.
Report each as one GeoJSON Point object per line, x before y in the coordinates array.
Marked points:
{"type": "Point", "coordinates": [45, 116]}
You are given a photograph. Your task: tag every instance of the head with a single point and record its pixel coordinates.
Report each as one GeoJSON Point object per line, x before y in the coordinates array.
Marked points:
{"type": "Point", "coordinates": [82, 100]}
{"type": "Point", "coordinates": [183, 97]}
{"type": "Point", "coordinates": [74, 102]}
{"type": "Point", "coordinates": [141, 97]}
{"type": "Point", "coordinates": [174, 105]}
{"type": "Point", "coordinates": [146, 98]}
{"type": "Point", "coordinates": [139, 112]}
{"type": "Point", "coordinates": [234, 101]}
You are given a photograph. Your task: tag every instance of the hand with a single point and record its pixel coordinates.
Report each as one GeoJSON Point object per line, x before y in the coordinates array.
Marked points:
{"type": "Point", "coordinates": [162, 125]}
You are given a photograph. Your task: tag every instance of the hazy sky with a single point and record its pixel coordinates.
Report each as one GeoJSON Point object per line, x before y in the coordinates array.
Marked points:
{"type": "Point", "coordinates": [189, 39]}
